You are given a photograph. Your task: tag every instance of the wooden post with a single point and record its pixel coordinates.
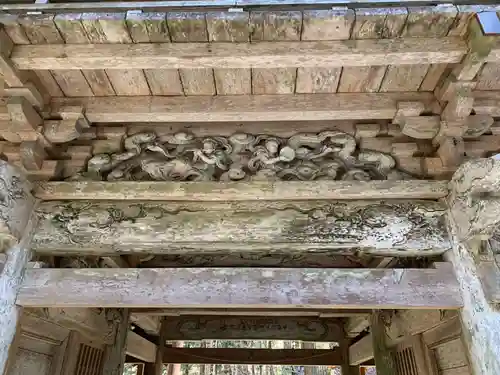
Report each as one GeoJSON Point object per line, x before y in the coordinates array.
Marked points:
{"type": "Point", "coordinates": [383, 356]}
{"type": "Point", "coordinates": [16, 231]}
{"type": "Point", "coordinates": [474, 214]}
{"type": "Point", "coordinates": [114, 356]}
{"type": "Point", "coordinates": [156, 368]}
{"type": "Point", "coordinates": [347, 369]}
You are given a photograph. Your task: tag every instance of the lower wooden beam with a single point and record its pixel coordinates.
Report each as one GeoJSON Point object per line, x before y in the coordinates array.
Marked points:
{"type": "Point", "coordinates": [235, 191]}
{"type": "Point", "coordinates": [194, 328]}
{"type": "Point", "coordinates": [295, 357]}
{"type": "Point", "coordinates": [140, 348]}
{"type": "Point", "coordinates": [361, 351]}
{"type": "Point", "coordinates": [303, 107]}
{"type": "Point", "coordinates": [242, 287]}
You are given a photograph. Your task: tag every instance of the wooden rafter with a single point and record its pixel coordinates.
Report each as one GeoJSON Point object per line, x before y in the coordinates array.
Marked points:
{"type": "Point", "coordinates": [241, 107]}
{"type": "Point", "coordinates": [241, 287]}
{"type": "Point", "coordinates": [241, 55]}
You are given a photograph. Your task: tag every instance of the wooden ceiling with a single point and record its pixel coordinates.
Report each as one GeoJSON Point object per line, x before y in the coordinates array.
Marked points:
{"type": "Point", "coordinates": [96, 78]}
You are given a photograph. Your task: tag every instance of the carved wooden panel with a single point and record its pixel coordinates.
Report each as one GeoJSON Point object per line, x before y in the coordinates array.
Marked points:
{"type": "Point", "coordinates": [328, 155]}
{"type": "Point", "coordinates": [188, 328]}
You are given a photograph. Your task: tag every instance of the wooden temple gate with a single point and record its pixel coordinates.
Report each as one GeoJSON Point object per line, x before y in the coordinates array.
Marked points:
{"type": "Point", "coordinates": [289, 171]}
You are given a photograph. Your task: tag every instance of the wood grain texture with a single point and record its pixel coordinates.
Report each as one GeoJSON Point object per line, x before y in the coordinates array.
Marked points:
{"type": "Point", "coordinates": [371, 24]}
{"type": "Point", "coordinates": [334, 24]}
{"type": "Point", "coordinates": [432, 21]}
{"type": "Point", "coordinates": [488, 78]}
{"type": "Point", "coordinates": [243, 107]}
{"type": "Point", "coordinates": [111, 28]}
{"type": "Point", "coordinates": [187, 27]}
{"type": "Point", "coordinates": [194, 328]}
{"type": "Point", "coordinates": [260, 54]}
{"type": "Point", "coordinates": [239, 287]}
{"type": "Point", "coordinates": [206, 191]}
{"type": "Point", "coordinates": [400, 228]}
{"type": "Point", "coordinates": [361, 351]}
{"type": "Point", "coordinates": [275, 26]}
{"type": "Point", "coordinates": [230, 27]}
{"type": "Point", "coordinates": [73, 32]}
{"type": "Point", "coordinates": [41, 29]}
{"type": "Point", "coordinates": [300, 357]}
{"type": "Point", "coordinates": [152, 28]}
{"type": "Point", "coordinates": [45, 80]}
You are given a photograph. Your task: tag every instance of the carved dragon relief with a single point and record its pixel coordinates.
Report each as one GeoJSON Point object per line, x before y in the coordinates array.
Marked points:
{"type": "Point", "coordinates": [330, 155]}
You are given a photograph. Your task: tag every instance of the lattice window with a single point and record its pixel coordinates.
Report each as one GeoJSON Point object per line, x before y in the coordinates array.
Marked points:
{"type": "Point", "coordinates": [406, 363]}
{"type": "Point", "coordinates": [89, 360]}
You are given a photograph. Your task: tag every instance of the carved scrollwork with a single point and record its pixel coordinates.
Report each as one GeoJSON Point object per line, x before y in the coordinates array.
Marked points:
{"type": "Point", "coordinates": [330, 155]}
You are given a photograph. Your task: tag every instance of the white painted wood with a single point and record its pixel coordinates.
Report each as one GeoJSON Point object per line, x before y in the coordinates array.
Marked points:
{"type": "Point", "coordinates": [241, 287]}
{"type": "Point", "coordinates": [16, 231]}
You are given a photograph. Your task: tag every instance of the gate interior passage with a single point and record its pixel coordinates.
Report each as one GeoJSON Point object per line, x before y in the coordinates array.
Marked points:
{"type": "Point", "coordinates": [318, 174]}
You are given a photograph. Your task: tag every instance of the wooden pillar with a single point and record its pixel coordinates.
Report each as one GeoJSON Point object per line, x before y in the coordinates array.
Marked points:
{"type": "Point", "coordinates": [114, 356]}
{"type": "Point", "coordinates": [384, 360]}
{"type": "Point", "coordinates": [156, 368]}
{"type": "Point", "coordinates": [16, 231]}
{"type": "Point", "coordinates": [474, 214]}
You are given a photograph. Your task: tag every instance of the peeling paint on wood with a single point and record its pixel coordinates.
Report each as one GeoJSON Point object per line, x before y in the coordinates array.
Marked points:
{"type": "Point", "coordinates": [400, 228]}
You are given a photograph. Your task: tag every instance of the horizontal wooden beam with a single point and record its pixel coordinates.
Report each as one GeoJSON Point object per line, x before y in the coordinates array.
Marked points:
{"type": "Point", "coordinates": [234, 191]}
{"type": "Point", "coordinates": [298, 107]}
{"type": "Point", "coordinates": [297, 357]}
{"type": "Point", "coordinates": [399, 228]}
{"type": "Point", "coordinates": [336, 53]}
{"type": "Point", "coordinates": [280, 312]}
{"type": "Point", "coordinates": [196, 327]}
{"type": "Point", "coordinates": [241, 287]}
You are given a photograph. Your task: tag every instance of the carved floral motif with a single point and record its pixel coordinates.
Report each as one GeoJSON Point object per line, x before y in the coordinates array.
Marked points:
{"type": "Point", "coordinates": [329, 155]}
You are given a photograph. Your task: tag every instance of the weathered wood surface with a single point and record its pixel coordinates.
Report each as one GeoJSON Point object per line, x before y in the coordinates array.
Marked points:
{"type": "Point", "coordinates": [16, 204]}
{"type": "Point", "coordinates": [188, 328]}
{"type": "Point", "coordinates": [361, 351]}
{"type": "Point", "coordinates": [275, 312]}
{"type": "Point", "coordinates": [400, 228]}
{"type": "Point", "coordinates": [474, 212]}
{"type": "Point", "coordinates": [241, 55]}
{"type": "Point", "coordinates": [16, 230]}
{"type": "Point", "coordinates": [255, 190]}
{"type": "Point", "coordinates": [242, 107]}
{"type": "Point", "coordinates": [114, 354]}
{"type": "Point", "coordinates": [140, 348]}
{"type": "Point", "coordinates": [384, 360]}
{"type": "Point", "coordinates": [474, 206]}
{"type": "Point", "coordinates": [241, 287]}
{"type": "Point", "coordinates": [296, 357]}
